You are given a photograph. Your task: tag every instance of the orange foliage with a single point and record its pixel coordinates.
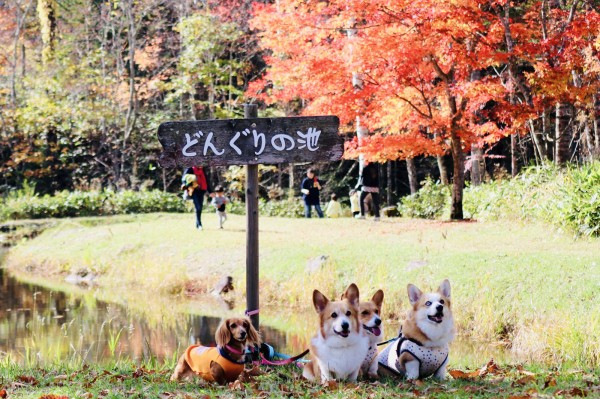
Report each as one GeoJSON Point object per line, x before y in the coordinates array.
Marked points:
{"type": "Point", "coordinates": [432, 70]}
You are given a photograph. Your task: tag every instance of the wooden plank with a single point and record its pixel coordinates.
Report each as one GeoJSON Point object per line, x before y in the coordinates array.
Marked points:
{"type": "Point", "coordinates": [250, 141]}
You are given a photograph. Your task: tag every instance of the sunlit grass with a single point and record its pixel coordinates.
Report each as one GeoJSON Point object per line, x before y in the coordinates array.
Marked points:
{"type": "Point", "coordinates": [520, 285]}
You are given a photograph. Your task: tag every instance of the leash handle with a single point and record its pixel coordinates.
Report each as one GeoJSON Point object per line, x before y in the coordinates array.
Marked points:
{"type": "Point", "coordinates": [251, 312]}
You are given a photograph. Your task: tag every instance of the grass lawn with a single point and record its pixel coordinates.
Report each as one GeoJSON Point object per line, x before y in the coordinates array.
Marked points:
{"type": "Point", "coordinates": [524, 286]}
{"type": "Point", "coordinates": [123, 381]}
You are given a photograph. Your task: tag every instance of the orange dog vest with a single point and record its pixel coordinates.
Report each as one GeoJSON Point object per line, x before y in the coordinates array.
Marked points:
{"type": "Point", "coordinates": [199, 358]}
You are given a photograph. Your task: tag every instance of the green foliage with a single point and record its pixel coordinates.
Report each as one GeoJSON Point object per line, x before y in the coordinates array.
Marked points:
{"type": "Point", "coordinates": [290, 208]}
{"type": "Point", "coordinates": [581, 199]}
{"type": "Point", "coordinates": [565, 197]}
{"type": "Point", "coordinates": [88, 203]}
{"type": "Point", "coordinates": [428, 203]}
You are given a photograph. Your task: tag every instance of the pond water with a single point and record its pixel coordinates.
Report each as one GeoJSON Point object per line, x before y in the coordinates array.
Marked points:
{"type": "Point", "coordinates": [45, 326]}
{"type": "Point", "coordinates": [42, 326]}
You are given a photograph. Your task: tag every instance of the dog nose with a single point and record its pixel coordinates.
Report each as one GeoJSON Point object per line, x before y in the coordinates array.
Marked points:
{"type": "Point", "coordinates": [377, 322]}
{"type": "Point", "coordinates": [345, 325]}
{"type": "Point", "coordinates": [439, 308]}
{"type": "Point", "coordinates": [243, 334]}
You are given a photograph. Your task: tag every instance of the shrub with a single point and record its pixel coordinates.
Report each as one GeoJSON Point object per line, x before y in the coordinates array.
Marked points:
{"type": "Point", "coordinates": [429, 202]}
{"type": "Point", "coordinates": [89, 203]}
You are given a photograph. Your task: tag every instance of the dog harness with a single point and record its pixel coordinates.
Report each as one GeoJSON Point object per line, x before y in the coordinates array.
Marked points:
{"type": "Point", "coordinates": [200, 357]}
{"type": "Point", "coordinates": [430, 358]}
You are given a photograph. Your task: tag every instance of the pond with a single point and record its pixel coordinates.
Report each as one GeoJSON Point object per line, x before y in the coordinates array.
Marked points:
{"type": "Point", "coordinates": [43, 326]}
{"type": "Point", "coordinates": [46, 326]}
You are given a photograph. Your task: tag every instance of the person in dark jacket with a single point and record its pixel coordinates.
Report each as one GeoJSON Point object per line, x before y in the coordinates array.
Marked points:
{"type": "Point", "coordinates": [310, 188]}
{"type": "Point", "coordinates": [195, 181]}
{"type": "Point", "coordinates": [368, 182]}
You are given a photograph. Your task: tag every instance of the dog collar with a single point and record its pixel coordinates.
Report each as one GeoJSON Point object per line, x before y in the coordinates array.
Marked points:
{"type": "Point", "coordinates": [224, 353]}
{"type": "Point", "coordinates": [233, 350]}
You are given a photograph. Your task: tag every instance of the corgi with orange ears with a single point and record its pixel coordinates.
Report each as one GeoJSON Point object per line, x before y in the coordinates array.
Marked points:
{"type": "Point", "coordinates": [340, 345]}
{"type": "Point", "coordinates": [370, 317]}
{"type": "Point", "coordinates": [422, 348]}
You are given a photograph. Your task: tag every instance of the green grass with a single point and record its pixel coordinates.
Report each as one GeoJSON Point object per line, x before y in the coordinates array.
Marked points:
{"type": "Point", "coordinates": [125, 380]}
{"type": "Point", "coordinates": [522, 286]}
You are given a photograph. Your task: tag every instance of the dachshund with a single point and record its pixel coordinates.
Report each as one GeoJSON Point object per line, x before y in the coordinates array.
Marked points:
{"type": "Point", "coordinates": [225, 362]}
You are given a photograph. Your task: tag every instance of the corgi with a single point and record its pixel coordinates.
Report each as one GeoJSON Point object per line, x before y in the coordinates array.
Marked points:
{"type": "Point", "coordinates": [340, 345]}
{"type": "Point", "coordinates": [369, 313]}
{"type": "Point", "coordinates": [422, 347]}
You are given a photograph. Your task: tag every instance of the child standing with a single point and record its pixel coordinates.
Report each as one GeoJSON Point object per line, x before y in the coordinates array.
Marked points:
{"type": "Point", "coordinates": [219, 201]}
{"type": "Point", "coordinates": [334, 209]}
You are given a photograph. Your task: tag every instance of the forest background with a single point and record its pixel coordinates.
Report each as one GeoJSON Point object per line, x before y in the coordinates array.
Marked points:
{"type": "Point", "coordinates": [463, 90]}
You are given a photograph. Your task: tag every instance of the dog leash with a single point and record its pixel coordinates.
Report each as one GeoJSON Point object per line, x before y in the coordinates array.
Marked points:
{"type": "Point", "coordinates": [266, 353]}
{"type": "Point", "coordinates": [388, 341]}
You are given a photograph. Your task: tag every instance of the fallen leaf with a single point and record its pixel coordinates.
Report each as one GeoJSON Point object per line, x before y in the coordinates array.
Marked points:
{"type": "Point", "coordinates": [331, 384]}
{"type": "Point", "coordinates": [524, 380]}
{"type": "Point", "coordinates": [27, 379]}
{"type": "Point", "coordinates": [519, 397]}
{"type": "Point", "coordinates": [492, 368]}
{"type": "Point", "coordinates": [236, 386]}
{"type": "Point", "coordinates": [3, 393]}
{"type": "Point", "coordinates": [458, 374]}
{"type": "Point", "coordinates": [523, 371]}
{"type": "Point", "coordinates": [550, 382]}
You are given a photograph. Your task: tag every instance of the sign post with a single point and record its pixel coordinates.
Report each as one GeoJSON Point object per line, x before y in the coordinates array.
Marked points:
{"type": "Point", "coordinates": [252, 297]}
{"type": "Point", "coordinates": [250, 141]}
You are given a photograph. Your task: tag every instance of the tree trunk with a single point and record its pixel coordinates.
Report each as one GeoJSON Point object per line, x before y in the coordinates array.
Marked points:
{"type": "Point", "coordinates": [476, 155]}
{"type": "Point", "coordinates": [458, 179]}
{"type": "Point", "coordinates": [389, 182]}
{"type": "Point", "coordinates": [444, 179]}
{"type": "Point", "coordinates": [411, 168]}
{"type": "Point", "coordinates": [292, 189]}
{"type": "Point", "coordinates": [564, 133]}
{"type": "Point", "coordinates": [514, 168]}
{"type": "Point", "coordinates": [597, 126]}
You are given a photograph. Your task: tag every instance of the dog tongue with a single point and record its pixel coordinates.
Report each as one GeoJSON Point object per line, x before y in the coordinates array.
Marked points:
{"type": "Point", "coordinates": [376, 331]}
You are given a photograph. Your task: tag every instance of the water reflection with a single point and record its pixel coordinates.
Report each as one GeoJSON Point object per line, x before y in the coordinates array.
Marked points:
{"type": "Point", "coordinates": [40, 325]}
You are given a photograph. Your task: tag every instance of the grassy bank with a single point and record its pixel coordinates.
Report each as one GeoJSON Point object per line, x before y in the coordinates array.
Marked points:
{"type": "Point", "coordinates": [522, 285]}
{"type": "Point", "coordinates": [151, 381]}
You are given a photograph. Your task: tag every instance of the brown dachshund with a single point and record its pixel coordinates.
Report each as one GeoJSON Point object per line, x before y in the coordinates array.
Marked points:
{"type": "Point", "coordinates": [225, 362]}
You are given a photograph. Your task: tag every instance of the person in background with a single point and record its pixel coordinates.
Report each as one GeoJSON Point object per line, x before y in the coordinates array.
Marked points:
{"type": "Point", "coordinates": [354, 205]}
{"type": "Point", "coordinates": [369, 183]}
{"type": "Point", "coordinates": [334, 208]}
{"type": "Point", "coordinates": [310, 188]}
{"type": "Point", "coordinates": [219, 200]}
{"type": "Point", "coordinates": [195, 181]}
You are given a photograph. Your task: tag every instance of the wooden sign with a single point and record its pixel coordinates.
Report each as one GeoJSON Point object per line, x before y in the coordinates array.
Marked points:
{"type": "Point", "coordinates": [250, 141]}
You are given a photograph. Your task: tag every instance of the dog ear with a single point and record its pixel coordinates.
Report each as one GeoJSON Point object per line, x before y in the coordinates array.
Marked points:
{"type": "Point", "coordinates": [223, 335]}
{"type": "Point", "coordinates": [378, 298]}
{"type": "Point", "coordinates": [352, 294]}
{"type": "Point", "coordinates": [253, 335]}
{"type": "Point", "coordinates": [320, 301]}
{"type": "Point", "coordinates": [413, 294]}
{"type": "Point", "coordinates": [444, 288]}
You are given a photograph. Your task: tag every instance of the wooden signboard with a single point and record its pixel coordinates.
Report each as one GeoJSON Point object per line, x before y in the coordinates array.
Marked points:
{"type": "Point", "coordinates": [250, 141]}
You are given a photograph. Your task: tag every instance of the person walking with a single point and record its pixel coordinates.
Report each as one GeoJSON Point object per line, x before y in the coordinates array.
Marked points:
{"type": "Point", "coordinates": [195, 181]}
{"type": "Point", "coordinates": [219, 201]}
{"type": "Point", "coordinates": [310, 188]}
{"type": "Point", "coordinates": [368, 182]}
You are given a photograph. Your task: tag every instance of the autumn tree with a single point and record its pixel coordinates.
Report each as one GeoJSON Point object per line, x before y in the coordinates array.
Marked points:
{"type": "Point", "coordinates": [417, 60]}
